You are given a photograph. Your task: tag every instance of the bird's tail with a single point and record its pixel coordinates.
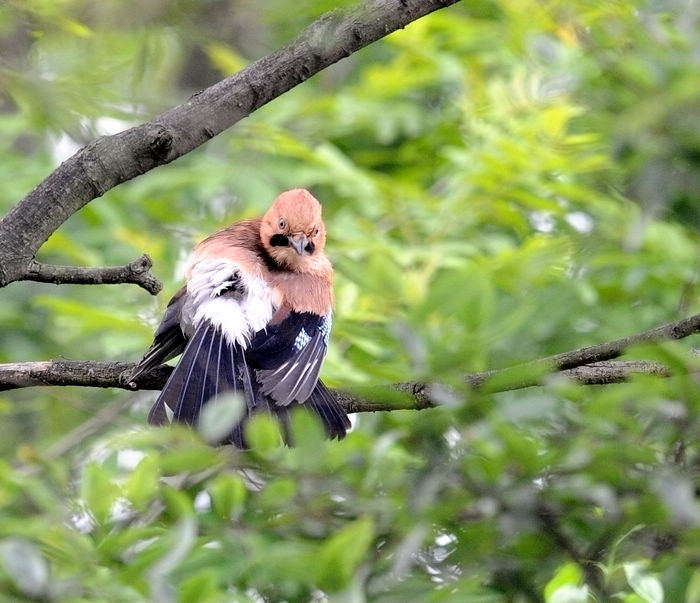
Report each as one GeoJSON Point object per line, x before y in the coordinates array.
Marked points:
{"type": "Point", "coordinates": [211, 365]}
{"type": "Point", "coordinates": [332, 415]}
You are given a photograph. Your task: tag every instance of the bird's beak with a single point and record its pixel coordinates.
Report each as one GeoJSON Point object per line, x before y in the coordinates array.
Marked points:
{"type": "Point", "coordinates": [298, 243]}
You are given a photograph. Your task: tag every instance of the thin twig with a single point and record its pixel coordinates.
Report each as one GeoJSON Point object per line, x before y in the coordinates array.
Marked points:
{"type": "Point", "coordinates": [136, 272]}
{"type": "Point", "coordinates": [549, 521]}
{"type": "Point", "coordinates": [95, 424]}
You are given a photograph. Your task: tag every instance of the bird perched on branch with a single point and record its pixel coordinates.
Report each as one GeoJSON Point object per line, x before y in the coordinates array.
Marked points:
{"type": "Point", "coordinates": [253, 318]}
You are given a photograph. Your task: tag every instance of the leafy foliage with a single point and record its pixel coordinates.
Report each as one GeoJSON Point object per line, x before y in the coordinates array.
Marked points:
{"type": "Point", "coordinates": [501, 181]}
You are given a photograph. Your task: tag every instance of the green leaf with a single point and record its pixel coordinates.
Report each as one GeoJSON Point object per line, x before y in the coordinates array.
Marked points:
{"type": "Point", "coordinates": [142, 484]}
{"type": "Point", "coordinates": [219, 416]}
{"type": "Point", "coordinates": [263, 433]}
{"type": "Point", "coordinates": [26, 567]}
{"type": "Point", "coordinates": [99, 491]}
{"type": "Point", "coordinates": [340, 555]}
{"type": "Point", "coordinates": [568, 593]}
{"type": "Point", "coordinates": [116, 543]}
{"type": "Point", "coordinates": [645, 585]}
{"type": "Point", "coordinates": [569, 574]}
{"type": "Point", "coordinates": [228, 493]}
{"type": "Point", "coordinates": [182, 538]}
{"type": "Point", "coordinates": [224, 58]}
{"type": "Point", "coordinates": [177, 503]}
{"type": "Point", "coordinates": [195, 457]}
{"type": "Point", "coordinates": [201, 586]}
{"type": "Point", "coordinates": [278, 493]}
{"type": "Point", "coordinates": [308, 439]}
{"type": "Point", "coordinates": [692, 593]}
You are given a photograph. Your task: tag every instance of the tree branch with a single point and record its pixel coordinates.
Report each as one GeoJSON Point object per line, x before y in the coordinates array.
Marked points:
{"type": "Point", "coordinates": [593, 370]}
{"type": "Point", "coordinates": [136, 272]}
{"type": "Point", "coordinates": [582, 359]}
{"type": "Point", "coordinates": [419, 396]}
{"type": "Point", "coordinates": [549, 520]}
{"type": "Point", "coordinates": [399, 396]}
{"type": "Point", "coordinates": [83, 373]}
{"type": "Point", "coordinates": [111, 160]}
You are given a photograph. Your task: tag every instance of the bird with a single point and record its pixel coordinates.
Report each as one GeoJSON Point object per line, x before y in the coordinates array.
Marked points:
{"type": "Point", "coordinates": [253, 318]}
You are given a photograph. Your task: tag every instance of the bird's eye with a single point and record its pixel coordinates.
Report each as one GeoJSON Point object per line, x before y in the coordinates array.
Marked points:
{"type": "Point", "coordinates": [316, 231]}
{"type": "Point", "coordinates": [282, 223]}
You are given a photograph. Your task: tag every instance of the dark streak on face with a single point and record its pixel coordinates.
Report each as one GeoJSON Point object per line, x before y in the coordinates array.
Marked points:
{"type": "Point", "coordinates": [310, 247]}
{"type": "Point", "coordinates": [270, 262]}
{"type": "Point", "coordinates": [279, 240]}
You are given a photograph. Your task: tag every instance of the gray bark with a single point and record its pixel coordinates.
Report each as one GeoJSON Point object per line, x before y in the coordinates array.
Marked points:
{"type": "Point", "coordinates": [111, 160]}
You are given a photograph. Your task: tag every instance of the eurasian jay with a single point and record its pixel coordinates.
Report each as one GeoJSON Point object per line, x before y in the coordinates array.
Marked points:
{"type": "Point", "coordinates": [254, 318]}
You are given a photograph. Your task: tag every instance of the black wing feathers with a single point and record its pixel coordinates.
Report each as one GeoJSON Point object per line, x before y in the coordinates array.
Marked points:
{"type": "Point", "coordinates": [274, 345]}
{"type": "Point", "coordinates": [277, 373]}
{"type": "Point", "coordinates": [168, 341]}
{"type": "Point", "coordinates": [330, 412]}
{"type": "Point", "coordinates": [209, 366]}
{"type": "Point", "coordinates": [288, 356]}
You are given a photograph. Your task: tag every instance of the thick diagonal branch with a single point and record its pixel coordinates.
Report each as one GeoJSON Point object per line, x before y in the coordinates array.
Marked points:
{"type": "Point", "coordinates": [111, 160]}
{"type": "Point", "coordinates": [136, 272]}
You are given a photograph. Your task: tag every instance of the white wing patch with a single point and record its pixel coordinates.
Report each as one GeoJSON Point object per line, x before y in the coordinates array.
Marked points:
{"type": "Point", "coordinates": [236, 301]}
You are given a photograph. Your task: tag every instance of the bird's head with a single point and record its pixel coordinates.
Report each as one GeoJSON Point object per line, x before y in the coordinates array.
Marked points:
{"type": "Point", "coordinates": [292, 230]}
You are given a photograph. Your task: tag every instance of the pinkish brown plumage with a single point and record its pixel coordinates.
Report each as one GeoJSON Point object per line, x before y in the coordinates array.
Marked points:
{"type": "Point", "coordinates": [254, 317]}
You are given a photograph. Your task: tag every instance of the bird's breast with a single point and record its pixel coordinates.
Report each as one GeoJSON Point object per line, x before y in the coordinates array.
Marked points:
{"type": "Point", "coordinates": [304, 292]}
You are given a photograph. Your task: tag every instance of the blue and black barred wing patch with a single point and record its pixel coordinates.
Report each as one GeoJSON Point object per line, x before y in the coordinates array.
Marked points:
{"type": "Point", "coordinates": [288, 356]}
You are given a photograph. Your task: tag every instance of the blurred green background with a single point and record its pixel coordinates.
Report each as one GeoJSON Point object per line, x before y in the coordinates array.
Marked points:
{"type": "Point", "coordinates": [502, 180]}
